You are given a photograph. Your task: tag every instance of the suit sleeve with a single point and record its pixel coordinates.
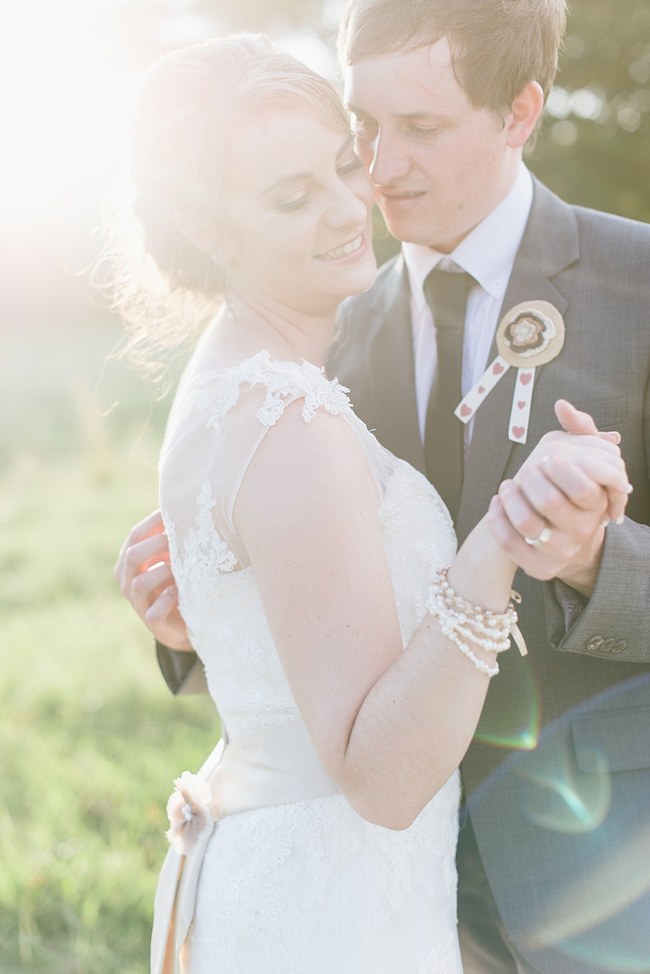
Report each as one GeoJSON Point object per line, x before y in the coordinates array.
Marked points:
{"type": "Point", "coordinates": [614, 624]}
{"type": "Point", "coordinates": [182, 671]}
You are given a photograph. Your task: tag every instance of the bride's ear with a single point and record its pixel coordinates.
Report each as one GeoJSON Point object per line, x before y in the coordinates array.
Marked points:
{"type": "Point", "coordinates": [215, 241]}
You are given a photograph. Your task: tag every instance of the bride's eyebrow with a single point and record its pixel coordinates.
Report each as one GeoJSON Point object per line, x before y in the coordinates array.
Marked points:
{"type": "Point", "coordinates": [298, 177]}
{"type": "Point", "coordinates": [303, 177]}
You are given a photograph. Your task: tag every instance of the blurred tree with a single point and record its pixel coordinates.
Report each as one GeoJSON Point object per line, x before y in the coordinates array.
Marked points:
{"type": "Point", "coordinates": [594, 148]}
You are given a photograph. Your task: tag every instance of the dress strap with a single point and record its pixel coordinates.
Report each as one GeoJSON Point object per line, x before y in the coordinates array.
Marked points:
{"type": "Point", "coordinates": [273, 765]}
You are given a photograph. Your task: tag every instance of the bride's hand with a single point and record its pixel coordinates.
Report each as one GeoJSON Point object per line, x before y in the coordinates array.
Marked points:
{"type": "Point", "coordinates": [143, 572]}
{"type": "Point", "coordinates": [551, 517]}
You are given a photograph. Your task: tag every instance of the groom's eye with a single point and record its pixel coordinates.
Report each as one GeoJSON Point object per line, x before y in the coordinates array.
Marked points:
{"type": "Point", "coordinates": [423, 131]}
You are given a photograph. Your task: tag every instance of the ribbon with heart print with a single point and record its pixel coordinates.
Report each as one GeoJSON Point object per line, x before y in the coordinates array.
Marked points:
{"type": "Point", "coordinates": [529, 335]}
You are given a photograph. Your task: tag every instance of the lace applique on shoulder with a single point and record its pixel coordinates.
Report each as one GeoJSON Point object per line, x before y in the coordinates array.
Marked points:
{"type": "Point", "coordinates": [216, 394]}
{"type": "Point", "coordinates": [205, 553]}
{"type": "Point", "coordinates": [284, 381]}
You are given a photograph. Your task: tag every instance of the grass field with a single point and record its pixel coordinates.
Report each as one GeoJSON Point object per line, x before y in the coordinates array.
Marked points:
{"type": "Point", "coordinates": [90, 738]}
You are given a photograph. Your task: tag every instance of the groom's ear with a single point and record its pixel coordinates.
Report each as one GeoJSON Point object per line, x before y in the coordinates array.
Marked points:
{"type": "Point", "coordinates": [524, 114]}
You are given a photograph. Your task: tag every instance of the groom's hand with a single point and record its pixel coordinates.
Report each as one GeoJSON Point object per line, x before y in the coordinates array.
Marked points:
{"type": "Point", "coordinates": [551, 517]}
{"type": "Point", "coordinates": [144, 575]}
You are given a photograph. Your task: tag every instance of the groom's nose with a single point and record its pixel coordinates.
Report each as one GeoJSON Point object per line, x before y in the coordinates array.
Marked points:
{"type": "Point", "coordinates": [387, 161]}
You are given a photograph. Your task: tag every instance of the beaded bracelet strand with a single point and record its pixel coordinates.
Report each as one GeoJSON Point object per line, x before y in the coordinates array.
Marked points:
{"type": "Point", "coordinates": [462, 622]}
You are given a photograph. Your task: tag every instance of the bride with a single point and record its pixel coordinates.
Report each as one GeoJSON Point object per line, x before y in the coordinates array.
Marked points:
{"type": "Point", "coordinates": [347, 646]}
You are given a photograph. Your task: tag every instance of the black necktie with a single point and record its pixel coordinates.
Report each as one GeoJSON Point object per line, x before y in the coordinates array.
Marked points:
{"type": "Point", "coordinates": [446, 293]}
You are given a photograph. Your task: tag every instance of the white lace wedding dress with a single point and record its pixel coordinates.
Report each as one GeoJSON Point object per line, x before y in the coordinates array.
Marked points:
{"type": "Point", "coordinates": [307, 887]}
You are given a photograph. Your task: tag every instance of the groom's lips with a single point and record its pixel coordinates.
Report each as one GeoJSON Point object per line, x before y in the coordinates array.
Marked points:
{"type": "Point", "coordinates": [398, 198]}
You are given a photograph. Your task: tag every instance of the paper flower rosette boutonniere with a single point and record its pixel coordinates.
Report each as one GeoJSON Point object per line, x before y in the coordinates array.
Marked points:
{"type": "Point", "coordinates": [529, 335]}
{"type": "Point", "coordinates": [188, 810]}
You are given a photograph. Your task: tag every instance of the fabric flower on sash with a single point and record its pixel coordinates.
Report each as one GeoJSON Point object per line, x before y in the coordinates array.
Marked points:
{"type": "Point", "coordinates": [188, 812]}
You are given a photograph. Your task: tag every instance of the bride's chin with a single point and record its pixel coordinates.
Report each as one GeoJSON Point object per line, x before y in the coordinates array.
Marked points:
{"type": "Point", "coordinates": [366, 280]}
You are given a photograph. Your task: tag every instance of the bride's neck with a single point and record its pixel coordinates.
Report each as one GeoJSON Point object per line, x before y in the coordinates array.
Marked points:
{"type": "Point", "coordinates": [283, 330]}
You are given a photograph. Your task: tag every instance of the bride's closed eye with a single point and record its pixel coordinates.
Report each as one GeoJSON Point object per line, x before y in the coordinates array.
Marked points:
{"type": "Point", "coordinates": [295, 202]}
{"type": "Point", "coordinates": [351, 167]}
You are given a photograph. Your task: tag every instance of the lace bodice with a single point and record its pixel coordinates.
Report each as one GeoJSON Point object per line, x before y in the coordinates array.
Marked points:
{"type": "Point", "coordinates": [307, 886]}
{"type": "Point", "coordinates": [208, 448]}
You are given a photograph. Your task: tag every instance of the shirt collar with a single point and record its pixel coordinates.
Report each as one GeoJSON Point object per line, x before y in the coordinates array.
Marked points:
{"type": "Point", "coordinates": [488, 252]}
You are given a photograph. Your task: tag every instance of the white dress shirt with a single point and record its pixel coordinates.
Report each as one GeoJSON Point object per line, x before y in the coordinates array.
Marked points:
{"type": "Point", "coordinates": [487, 253]}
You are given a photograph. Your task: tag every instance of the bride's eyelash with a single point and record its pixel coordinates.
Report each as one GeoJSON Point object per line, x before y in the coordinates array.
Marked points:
{"type": "Point", "coordinates": [290, 205]}
{"type": "Point", "coordinates": [351, 167]}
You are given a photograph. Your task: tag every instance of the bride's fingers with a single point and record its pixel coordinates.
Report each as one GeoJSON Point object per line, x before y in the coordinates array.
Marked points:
{"type": "Point", "coordinates": [560, 493]}
{"type": "Point", "coordinates": [580, 480]}
{"type": "Point", "coordinates": [544, 561]}
{"type": "Point", "coordinates": [534, 503]}
{"type": "Point", "coordinates": [574, 448]}
{"type": "Point", "coordinates": [165, 621]}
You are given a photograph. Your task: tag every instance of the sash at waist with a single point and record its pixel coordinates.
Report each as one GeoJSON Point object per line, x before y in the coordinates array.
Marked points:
{"type": "Point", "coordinates": [273, 765]}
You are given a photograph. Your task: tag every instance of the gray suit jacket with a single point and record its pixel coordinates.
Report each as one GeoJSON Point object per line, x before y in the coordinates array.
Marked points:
{"type": "Point", "coordinates": [558, 778]}
{"type": "Point", "coordinates": [562, 827]}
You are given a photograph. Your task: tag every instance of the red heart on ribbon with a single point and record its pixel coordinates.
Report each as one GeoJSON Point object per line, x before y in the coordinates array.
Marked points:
{"type": "Point", "coordinates": [481, 390]}
{"type": "Point", "coordinates": [465, 410]}
{"type": "Point", "coordinates": [518, 431]}
{"type": "Point", "coordinates": [521, 403]}
{"type": "Point", "coordinates": [497, 368]}
{"type": "Point", "coordinates": [525, 378]}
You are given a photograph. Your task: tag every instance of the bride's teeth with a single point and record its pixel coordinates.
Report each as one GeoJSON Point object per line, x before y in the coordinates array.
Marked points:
{"type": "Point", "coordinates": [348, 248]}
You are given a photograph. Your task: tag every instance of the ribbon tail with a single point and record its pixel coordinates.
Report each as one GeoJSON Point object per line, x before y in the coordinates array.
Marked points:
{"type": "Point", "coordinates": [519, 640]}
{"type": "Point", "coordinates": [174, 903]}
{"type": "Point", "coordinates": [188, 885]}
{"type": "Point", "coordinates": [163, 914]}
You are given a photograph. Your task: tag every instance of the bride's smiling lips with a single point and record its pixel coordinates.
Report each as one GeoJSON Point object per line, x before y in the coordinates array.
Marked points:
{"type": "Point", "coordinates": [350, 250]}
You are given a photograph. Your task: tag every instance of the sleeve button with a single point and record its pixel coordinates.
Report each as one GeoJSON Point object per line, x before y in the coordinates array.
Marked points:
{"type": "Point", "coordinates": [595, 643]}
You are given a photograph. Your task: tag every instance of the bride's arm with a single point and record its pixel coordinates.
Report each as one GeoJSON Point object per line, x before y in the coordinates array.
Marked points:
{"type": "Point", "coordinates": [389, 726]}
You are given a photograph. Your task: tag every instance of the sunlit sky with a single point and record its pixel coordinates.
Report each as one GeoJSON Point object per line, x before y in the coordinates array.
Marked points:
{"type": "Point", "coordinates": [60, 97]}
{"type": "Point", "coordinates": [68, 70]}
{"type": "Point", "coordinates": [66, 91]}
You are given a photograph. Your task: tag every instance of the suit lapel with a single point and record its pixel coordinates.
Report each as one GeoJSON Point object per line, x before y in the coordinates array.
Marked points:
{"type": "Point", "coordinates": [536, 262]}
{"type": "Point", "coordinates": [392, 370]}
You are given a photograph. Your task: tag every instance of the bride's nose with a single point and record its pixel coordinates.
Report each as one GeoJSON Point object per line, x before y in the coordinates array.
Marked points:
{"type": "Point", "coordinates": [346, 208]}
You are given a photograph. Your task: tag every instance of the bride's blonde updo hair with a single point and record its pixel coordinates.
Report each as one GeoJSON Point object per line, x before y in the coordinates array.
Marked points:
{"type": "Point", "coordinates": [165, 251]}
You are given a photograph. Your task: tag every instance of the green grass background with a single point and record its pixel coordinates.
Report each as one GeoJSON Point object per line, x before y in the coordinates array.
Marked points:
{"type": "Point", "coordinates": [90, 738]}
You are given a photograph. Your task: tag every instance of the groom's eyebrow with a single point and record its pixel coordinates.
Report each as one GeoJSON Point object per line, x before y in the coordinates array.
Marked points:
{"type": "Point", "coordinates": [403, 116]}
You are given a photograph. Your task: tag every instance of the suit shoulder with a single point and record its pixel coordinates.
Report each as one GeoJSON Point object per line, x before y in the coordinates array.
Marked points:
{"type": "Point", "coordinates": [604, 231]}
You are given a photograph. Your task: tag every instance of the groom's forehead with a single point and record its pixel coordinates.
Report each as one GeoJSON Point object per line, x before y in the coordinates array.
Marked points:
{"type": "Point", "coordinates": [404, 83]}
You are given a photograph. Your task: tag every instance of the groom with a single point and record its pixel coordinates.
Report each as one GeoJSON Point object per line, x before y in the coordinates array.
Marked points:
{"type": "Point", "coordinates": [554, 852]}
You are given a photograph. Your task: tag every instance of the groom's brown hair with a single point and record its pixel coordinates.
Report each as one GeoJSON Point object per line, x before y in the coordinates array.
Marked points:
{"type": "Point", "coordinates": [498, 46]}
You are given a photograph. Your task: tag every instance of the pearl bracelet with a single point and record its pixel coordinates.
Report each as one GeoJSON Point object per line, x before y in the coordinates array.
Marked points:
{"type": "Point", "coordinates": [461, 622]}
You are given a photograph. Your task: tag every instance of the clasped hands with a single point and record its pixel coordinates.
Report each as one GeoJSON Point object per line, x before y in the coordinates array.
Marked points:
{"type": "Point", "coordinates": [550, 519]}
